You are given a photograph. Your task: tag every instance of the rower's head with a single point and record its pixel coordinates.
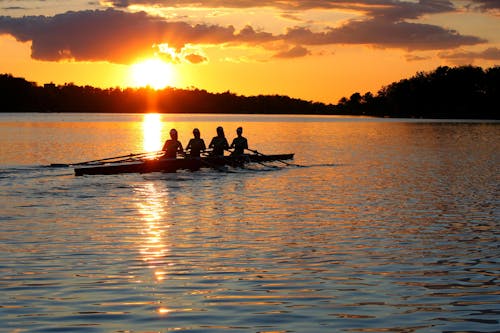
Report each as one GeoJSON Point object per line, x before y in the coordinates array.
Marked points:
{"type": "Point", "coordinates": [220, 131]}
{"type": "Point", "coordinates": [239, 130]}
{"type": "Point", "coordinates": [173, 134]}
{"type": "Point", "coordinates": [196, 133]}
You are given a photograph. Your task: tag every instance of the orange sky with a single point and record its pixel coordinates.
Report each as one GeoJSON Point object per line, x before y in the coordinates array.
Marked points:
{"type": "Point", "coordinates": [308, 49]}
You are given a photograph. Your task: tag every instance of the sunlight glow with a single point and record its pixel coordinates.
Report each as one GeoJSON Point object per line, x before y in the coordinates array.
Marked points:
{"type": "Point", "coordinates": [153, 248]}
{"type": "Point", "coordinates": [153, 73]}
{"type": "Point", "coordinates": [152, 132]}
{"type": "Point", "coordinates": [164, 310]}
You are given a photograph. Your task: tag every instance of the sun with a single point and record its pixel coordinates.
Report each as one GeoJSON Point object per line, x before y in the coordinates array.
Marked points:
{"type": "Point", "coordinates": [154, 73]}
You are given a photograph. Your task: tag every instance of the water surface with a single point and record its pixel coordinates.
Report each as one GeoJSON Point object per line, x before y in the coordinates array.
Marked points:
{"type": "Point", "coordinates": [390, 226]}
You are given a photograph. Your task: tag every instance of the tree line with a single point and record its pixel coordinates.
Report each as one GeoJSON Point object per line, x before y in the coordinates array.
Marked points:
{"type": "Point", "coordinates": [465, 92]}
{"type": "Point", "coordinates": [19, 95]}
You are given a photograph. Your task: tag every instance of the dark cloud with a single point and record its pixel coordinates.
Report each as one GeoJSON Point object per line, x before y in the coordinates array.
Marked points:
{"type": "Point", "coordinates": [398, 10]}
{"type": "Point", "coordinates": [410, 36]}
{"type": "Point", "coordinates": [295, 52]}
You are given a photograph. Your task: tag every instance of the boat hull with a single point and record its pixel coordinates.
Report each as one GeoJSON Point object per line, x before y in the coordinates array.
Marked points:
{"type": "Point", "coordinates": [172, 165]}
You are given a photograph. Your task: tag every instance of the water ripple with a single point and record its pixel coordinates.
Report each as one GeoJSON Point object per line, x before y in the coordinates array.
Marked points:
{"type": "Point", "coordinates": [400, 236]}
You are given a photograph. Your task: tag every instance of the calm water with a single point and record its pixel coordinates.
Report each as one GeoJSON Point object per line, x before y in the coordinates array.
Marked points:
{"type": "Point", "coordinates": [392, 226]}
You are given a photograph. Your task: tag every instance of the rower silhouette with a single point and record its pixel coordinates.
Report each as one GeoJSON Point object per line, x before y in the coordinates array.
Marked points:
{"type": "Point", "coordinates": [240, 143]}
{"type": "Point", "coordinates": [172, 146]}
{"type": "Point", "coordinates": [196, 145]}
{"type": "Point", "coordinates": [219, 143]}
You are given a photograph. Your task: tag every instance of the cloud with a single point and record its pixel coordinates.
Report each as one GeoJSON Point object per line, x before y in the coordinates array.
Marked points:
{"type": "Point", "coordinates": [393, 8]}
{"type": "Point", "coordinates": [116, 36]}
{"type": "Point", "coordinates": [122, 3]}
{"type": "Point", "coordinates": [384, 22]}
{"type": "Point", "coordinates": [398, 10]}
{"type": "Point", "coordinates": [109, 35]}
{"type": "Point", "coordinates": [249, 35]}
{"type": "Point", "coordinates": [195, 58]}
{"type": "Point", "coordinates": [390, 9]}
{"type": "Point", "coordinates": [300, 5]}
{"type": "Point", "coordinates": [385, 25]}
{"type": "Point", "coordinates": [486, 5]}
{"type": "Point", "coordinates": [295, 52]}
{"type": "Point", "coordinates": [413, 57]}
{"type": "Point", "coordinates": [123, 37]}
{"type": "Point", "coordinates": [491, 53]}
{"type": "Point", "coordinates": [291, 17]}
{"type": "Point", "coordinates": [13, 8]}
{"type": "Point", "coordinates": [404, 35]}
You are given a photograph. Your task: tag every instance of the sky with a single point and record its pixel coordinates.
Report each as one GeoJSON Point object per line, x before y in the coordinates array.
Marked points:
{"type": "Point", "coordinates": [316, 50]}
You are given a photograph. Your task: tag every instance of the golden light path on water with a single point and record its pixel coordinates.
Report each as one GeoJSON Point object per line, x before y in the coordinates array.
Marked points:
{"type": "Point", "coordinates": [152, 128]}
{"type": "Point", "coordinates": [152, 246]}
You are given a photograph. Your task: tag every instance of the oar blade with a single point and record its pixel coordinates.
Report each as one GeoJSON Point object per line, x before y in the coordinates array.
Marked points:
{"type": "Point", "coordinates": [59, 165]}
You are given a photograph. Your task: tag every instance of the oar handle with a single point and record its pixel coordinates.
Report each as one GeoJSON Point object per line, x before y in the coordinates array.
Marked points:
{"type": "Point", "coordinates": [206, 152]}
{"type": "Point", "coordinates": [255, 151]}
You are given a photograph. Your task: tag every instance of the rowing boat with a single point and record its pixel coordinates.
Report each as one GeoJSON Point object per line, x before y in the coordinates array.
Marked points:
{"type": "Point", "coordinates": [174, 164]}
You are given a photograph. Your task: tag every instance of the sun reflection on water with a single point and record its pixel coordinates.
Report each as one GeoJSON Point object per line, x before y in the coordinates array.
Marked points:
{"type": "Point", "coordinates": [153, 246]}
{"type": "Point", "coordinates": [153, 249]}
{"type": "Point", "coordinates": [152, 131]}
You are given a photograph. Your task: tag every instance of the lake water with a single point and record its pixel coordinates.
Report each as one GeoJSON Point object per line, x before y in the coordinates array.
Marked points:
{"type": "Point", "coordinates": [389, 226]}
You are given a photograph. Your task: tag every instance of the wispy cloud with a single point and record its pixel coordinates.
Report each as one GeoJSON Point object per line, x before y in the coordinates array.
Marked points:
{"type": "Point", "coordinates": [295, 52]}
{"type": "Point", "coordinates": [414, 57]}
{"type": "Point", "coordinates": [13, 8]}
{"type": "Point", "coordinates": [401, 8]}
{"type": "Point", "coordinates": [298, 5]}
{"type": "Point", "coordinates": [491, 53]}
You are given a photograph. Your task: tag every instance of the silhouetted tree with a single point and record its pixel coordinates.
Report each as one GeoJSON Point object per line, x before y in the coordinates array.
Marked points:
{"type": "Point", "coordinates": [461, 92]}
{"type": "Point", "coordinates": [464, 92]}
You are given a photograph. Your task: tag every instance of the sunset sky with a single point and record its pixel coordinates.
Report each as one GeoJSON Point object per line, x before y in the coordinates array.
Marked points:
{"type": "Point", "coordinates": [318, 50]}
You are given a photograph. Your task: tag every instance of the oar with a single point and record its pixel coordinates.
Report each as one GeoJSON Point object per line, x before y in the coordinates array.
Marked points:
{"type": "Point", "coordinates": [103, 159]}
{"type": "Point", "coordinates": [114, 158]}
{"type": "Point", "coordinates": [290, 164]}
{"type": "Point", "coordinates": [207, 152]}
